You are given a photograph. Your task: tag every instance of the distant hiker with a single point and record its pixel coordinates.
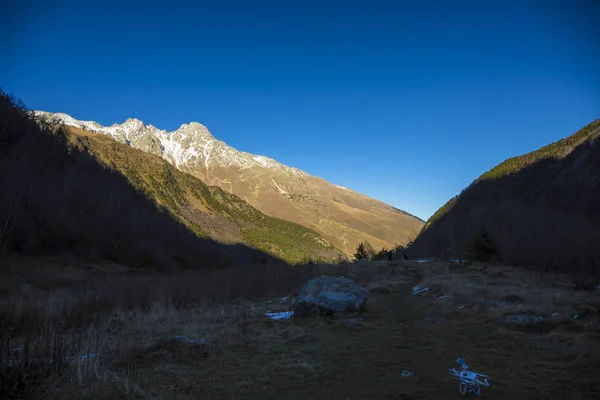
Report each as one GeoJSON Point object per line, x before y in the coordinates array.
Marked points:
{"type": "Point", "coordinates": [390, 256]}
{"type": "Point", "coordinates": [404, 255]}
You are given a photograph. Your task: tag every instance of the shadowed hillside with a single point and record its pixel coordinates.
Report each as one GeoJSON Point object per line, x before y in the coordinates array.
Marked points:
{"type": "Point", "coordinates": [81, 193]}
{"type": "Point", "coordinates": [542, 209]}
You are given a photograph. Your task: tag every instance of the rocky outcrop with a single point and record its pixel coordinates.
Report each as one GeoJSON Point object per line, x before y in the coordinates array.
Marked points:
{"type": "Point", "coordinates": [328, 295]}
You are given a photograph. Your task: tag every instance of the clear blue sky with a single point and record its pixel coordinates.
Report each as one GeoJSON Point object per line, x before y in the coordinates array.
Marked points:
{"type": "Point", "coordinates": [407, 102]}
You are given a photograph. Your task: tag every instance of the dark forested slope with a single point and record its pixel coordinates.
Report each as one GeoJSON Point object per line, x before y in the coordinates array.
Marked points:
{"type": "Point", "coordinates": [542, 209]}
{"type": "Point", "coordinates": [63, 191]}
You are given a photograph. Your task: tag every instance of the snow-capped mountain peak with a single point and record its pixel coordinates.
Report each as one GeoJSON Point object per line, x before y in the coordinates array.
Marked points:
{"type": "Point", "coordinates": [188, 147]}
{"type": "Point", "coordinates": [341, 215]}
{"type": "Point", "coordinates": [132, 122]}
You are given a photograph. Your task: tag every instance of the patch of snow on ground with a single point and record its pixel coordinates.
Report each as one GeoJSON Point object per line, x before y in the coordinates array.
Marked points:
{"type": "Point", "coordinates": [48, 361]}
{"type": "Point", "coordinates": [185, 339]}
{"type": "Point", "coordinates": [279, 315]}
{"type": "Point", "coordinates": [417, 289]}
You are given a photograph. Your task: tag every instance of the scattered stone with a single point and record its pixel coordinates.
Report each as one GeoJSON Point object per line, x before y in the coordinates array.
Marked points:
{"type": "Point", "coordinates": [476, 280]}
{"type": "Point", "coordinates": [350, 321]}
{"type": "Point", "coordinates": [329, 294]}
{"type": "Point", "coordinates": [522, 319]}
{"type": "Point", "coordinates": [514, 299]}
{"type": "Point", "coordinates": [440, 298]}
{"type": "Point", "coordinates": [115, 325]}
{"type": "Point", "coordinates": [585, 313]}
{"type": "Point", "coordinates": [114, 329]}
{"type": "Point", "coordinates": [407, 373]}
{"type": "Point", "coordinates": [585, 286]}
{"type": "Point", "coordinates": [488, 302]}
{"type": "Point", "coordinates": [555, 314]}
{"type": "Point", "coordinates": [380, 290]}
{"type": "Point", "coordinates": [497, 304]}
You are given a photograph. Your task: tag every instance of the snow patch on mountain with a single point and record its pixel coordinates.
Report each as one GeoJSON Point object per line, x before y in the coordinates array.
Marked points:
{"type": "Point", "coordinates": [342, 187]}
{"type": "Point", "coordinates": [191, 145]}
{"type": "Point", "coordinates": [68, 120]}
{"type": "Point", "coordinates": [172, 150]}
{"type": "Point", "coordinates": [264, 161]}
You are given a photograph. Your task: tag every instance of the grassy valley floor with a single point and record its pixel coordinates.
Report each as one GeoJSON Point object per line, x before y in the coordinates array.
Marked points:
{"type": "Point", "coordinates": [359, 356]}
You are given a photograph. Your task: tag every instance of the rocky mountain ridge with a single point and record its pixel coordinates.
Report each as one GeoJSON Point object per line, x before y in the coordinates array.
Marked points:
{"type": "Point", "coordinates": [341, 215]}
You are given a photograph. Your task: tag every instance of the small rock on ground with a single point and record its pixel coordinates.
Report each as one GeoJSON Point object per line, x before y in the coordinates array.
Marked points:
{"type": "Point", "coordinates": [380, 290]}
{"type": "Point", "coordinates": [514, 299]}
{"type": "Point", "coordinates": [350, 321]}
{"type": "Point", "coordinates": [522, 319]}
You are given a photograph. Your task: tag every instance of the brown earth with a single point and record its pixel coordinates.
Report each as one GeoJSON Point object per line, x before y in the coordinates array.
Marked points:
{"type": "Point", "coordinates": [344, 217]}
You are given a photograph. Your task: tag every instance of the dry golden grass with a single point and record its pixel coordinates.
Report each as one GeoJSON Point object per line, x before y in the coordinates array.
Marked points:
{"type": "Point", "coordinates": [249, 356]}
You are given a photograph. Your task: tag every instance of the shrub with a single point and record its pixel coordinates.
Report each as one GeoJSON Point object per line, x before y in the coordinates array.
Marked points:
{"type": "Point", "coordinates": [381, 254]}
{"type": "Point", "coordinates": [361, 252]}
{"type": "Point", "coordinates": [483, 248]}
